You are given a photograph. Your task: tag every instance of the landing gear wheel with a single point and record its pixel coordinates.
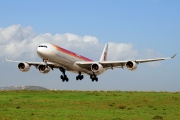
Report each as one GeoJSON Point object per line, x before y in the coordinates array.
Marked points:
{"type": "Point", "coordinates": [64, 76]}
{"type": "Point", "coordinates": [79, 77]}
{"type": "Point", "coordinates": [67, 79]}
{"type": "Point", "coordinates": [63, 80]}
{"type": "Point", "coordinates": [91, 76]}
{"type": "Point", "coordinates": [94, 78]}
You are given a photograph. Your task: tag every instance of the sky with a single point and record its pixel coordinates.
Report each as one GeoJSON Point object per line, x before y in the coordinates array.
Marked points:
{"type": "Point", "coordinates": [138, 29]}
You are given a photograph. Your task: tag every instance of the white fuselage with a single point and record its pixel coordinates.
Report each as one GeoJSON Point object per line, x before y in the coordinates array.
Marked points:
{"type": "Point", "coordinates": [63, 58]}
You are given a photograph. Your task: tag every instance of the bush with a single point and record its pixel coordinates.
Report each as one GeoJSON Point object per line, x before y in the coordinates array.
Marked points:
{"type": "Point", "coordinates": [18, 107]}
{"type": "Point", "coordinates": [122, 107]}
{"type": "Point", "coordinates": [157, 117]}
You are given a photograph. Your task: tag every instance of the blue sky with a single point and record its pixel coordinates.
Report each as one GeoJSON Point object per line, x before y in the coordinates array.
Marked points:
{"type": "Point", "coordinates": [151, 25]}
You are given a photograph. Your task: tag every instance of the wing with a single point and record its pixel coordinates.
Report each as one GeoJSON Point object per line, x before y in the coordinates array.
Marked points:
{"type": "Point", "coordinates": [85, 65]}
{"type": "Point", "coordinates": [52, 65]}
{"type": "Point", "coordinates": [112, 64]}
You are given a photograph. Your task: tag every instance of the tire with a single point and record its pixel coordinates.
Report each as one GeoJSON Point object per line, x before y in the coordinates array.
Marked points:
{"type": "Point", "coordinates": [67, 79]}
{"type": "Point", "coordinates": [82, 77]}
{"type": "Point", "coordinates": [96, 79]}
{"type": "Point", "coordinates": [62, 77]}
{"type": "Point", "coordinates": [91, 77]}
{"type": "Point", "coordinates": [65, 76]}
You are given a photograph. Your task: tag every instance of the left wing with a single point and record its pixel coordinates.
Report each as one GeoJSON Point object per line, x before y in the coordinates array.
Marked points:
{"type": "Point", "coordinates": [112, 64]}
{"type": "Point", "coordinates": [122, 63]}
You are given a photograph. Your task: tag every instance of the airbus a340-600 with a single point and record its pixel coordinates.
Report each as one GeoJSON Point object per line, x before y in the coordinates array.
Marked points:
{"type": "Point", "coordinates": [54, 56]}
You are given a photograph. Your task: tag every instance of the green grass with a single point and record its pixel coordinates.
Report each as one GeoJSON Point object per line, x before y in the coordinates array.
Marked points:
{"type": "Point", "coordinates": [82, 105]}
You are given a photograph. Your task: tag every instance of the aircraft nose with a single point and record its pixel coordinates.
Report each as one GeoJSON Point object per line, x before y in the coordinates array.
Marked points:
{"type": "Point", "coordinates": [39, 51]}
{"type": "Point", "coordinates": [43, 51]}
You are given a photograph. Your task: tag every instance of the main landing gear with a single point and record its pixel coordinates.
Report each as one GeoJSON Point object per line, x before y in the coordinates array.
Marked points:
{"type": "Point", "coordinates": [79, 77]}
{"type": "Point", "coordinates": [94, 77]}
{"type": "Point", "coordinates": [64, 76]}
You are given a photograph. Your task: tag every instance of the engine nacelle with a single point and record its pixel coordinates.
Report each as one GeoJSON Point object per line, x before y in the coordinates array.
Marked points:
{"type": "Point", "coordinates": [23, 67]}
{"type": "Point", "coordinates": [96, 67]}
{"type": "Point", "coordinates": [43, 69]}
{"type": "Point", "coordinates": [131, 65]}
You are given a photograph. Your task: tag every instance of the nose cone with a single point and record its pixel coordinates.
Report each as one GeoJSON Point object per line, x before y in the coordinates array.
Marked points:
{"type": "Point", "coordinates": [39, 51]}
{"type": "Point", "coordinates": [44, 51]}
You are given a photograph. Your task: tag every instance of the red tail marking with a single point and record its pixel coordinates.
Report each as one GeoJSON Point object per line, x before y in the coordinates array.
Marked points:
{"type": "Point", "coordinates": [105, 56]}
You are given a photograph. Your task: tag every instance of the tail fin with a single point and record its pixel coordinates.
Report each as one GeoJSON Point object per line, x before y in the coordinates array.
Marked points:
{"type": "Point", "coordinates": [104, 53]}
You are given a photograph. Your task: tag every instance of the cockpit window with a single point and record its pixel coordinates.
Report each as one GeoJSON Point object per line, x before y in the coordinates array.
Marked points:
{"type": "Point", "coordinates": [43, 46]}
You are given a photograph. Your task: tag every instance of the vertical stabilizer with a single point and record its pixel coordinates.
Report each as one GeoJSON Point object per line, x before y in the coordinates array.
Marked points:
{"type": "Point", "coordinates": [104, 53]}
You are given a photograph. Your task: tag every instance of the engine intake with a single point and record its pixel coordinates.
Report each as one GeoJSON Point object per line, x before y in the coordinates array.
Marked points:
{"type": "Point", "coordinates": [96, 67]}
{"type": "Point", "coordinates": [131, 65]}
{"type": "Point", "coordinates": [23, 67]}
{"type": "Point", "coordinates": [43, 69]}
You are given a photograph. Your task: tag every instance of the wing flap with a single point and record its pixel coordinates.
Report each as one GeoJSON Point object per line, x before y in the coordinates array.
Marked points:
{"type": "Point", "coordinates": [84, 65]}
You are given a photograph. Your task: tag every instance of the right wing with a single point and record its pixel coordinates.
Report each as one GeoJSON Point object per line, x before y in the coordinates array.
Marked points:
{"type": "Point", "coordinates": [32, 63]}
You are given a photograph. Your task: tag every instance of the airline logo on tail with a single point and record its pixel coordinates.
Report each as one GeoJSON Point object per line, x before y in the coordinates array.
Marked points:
{"type": "Point", "coordinates": [104, 53]}
{"type": "Point", "coordinates": [105, 56]}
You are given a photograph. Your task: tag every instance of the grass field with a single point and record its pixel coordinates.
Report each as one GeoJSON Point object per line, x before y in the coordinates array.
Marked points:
{"type": "Point", "coordinates": [82, 105]}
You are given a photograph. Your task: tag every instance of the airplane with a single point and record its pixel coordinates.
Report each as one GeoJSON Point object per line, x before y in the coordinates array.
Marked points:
{"type": "Point", "coordinates": [54, 56]}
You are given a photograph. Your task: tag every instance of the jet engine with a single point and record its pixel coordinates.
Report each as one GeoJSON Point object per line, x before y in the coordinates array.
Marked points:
{"type": "Point", "coordinates": [131, 65]}
{"type": "Point", "coordinates": [96, 67]}
{"type": "Point", "coordinates": [43, 69]}
{"type": "Point", "coordinates": [23, 67]}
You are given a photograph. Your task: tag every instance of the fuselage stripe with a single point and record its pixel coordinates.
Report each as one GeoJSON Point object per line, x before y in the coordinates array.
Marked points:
{"type": "Point", "coordinates": [72, 53]}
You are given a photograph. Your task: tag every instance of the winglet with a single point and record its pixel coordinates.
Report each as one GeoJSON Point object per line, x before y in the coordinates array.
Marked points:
{"type": "Point", "coordinates": [104, 53]}
{"type": "Point", "coordinates": [174, 55]}
{"type": "Point", "coordinates": [7, 58]}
